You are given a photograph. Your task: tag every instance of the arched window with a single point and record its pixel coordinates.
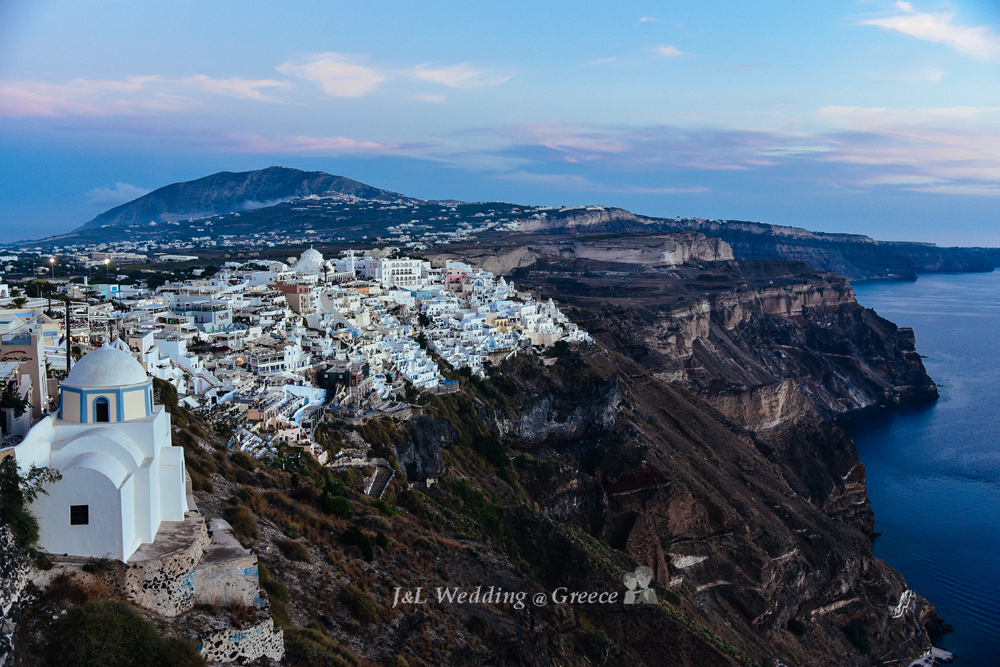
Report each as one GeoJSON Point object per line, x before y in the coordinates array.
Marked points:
{"type": "Point", "coordinates": [102, 410]}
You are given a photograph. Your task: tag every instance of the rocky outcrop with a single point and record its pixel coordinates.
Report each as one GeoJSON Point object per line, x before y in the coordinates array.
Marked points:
{"type": "Point", "coordinates": [500, 259]}
{"type": "Point", "coordinates": [656, 251]}
{"type": "Point", "coordinates": [419, 455]}
{"type": "Point", "coordinates": [14, 594]}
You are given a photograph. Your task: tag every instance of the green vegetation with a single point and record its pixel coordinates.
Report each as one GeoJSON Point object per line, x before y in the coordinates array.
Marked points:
{"type": "Point", "coordinates": [10, 397]}
{"type": "Point", "coordinates": [309, 647]}
{"type": "Point", "coordinates": [294, 551]}
{"type": "Point", "coordinates": [486, 517]}
{"type": "Point", "coordinates": [362, 605]}
{"type": "Point", "coordinates": [17, 492]}
{"type": "Point", "coordinates": [354, 536]}
{"type": "Point", "coordinates": [112, 634]}
{"type": "Point", "coordinates": [243, 522]}
{"type": "Point", "coordinates": [858, 634]}
{"type": "Point", "coordinates": [472, 431]}
{"type": "Point", "coordinates": [383, 507]}
{"type": "Point", "coordinates": [166, 394]}
{"type": "Point", "coordinates": [335, 505]}
{"type": "Point", "coordinates": [796, 627]}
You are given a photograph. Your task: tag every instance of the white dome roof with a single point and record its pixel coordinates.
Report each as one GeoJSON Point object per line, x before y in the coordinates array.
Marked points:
{"type": "Point", "coordinates": [106, 367]}
{"type": "Point", "coordinates": [312, 256]}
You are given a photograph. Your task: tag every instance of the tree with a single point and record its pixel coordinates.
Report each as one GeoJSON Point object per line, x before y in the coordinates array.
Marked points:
{"type": "Point", "coordinates": [10, 397]}
{"type": "Point", "coordinates": [17, 492]}
{"type": "Point", "coordinates": [19, 302]}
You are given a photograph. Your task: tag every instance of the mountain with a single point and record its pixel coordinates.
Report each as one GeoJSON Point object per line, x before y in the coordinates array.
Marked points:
{"type": "Point", "coordinates": [227, 192]}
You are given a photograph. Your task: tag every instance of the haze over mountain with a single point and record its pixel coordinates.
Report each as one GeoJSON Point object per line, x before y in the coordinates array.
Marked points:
{"type": "Point", "coordinates": [227, 192]}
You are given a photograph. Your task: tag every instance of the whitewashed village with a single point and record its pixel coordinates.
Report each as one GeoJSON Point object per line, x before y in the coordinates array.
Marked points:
{"type": "Point", "coordinates": [264, 351]}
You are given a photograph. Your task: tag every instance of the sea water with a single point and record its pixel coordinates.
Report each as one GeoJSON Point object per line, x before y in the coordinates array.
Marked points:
{"type": "Point", "coordinates": [934, 471]}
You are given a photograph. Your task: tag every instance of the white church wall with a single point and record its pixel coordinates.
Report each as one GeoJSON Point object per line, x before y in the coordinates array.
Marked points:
{"type": "Point", "coordinates": [101, 536]}
{"type": "Point", "coordinates": [173, 498]}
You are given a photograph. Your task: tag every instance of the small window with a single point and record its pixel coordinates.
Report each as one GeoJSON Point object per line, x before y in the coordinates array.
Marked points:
{"type": "Point", "coordinates": [79, 515]}
{"type": "Point", "coordinates": [102, 412]}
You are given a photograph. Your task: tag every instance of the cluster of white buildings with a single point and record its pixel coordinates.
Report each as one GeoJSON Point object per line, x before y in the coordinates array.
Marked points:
{"type": "Point", "coordinates": [247, 341]}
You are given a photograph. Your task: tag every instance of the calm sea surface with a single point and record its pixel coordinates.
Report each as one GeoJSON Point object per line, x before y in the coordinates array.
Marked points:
{"type": "Point", "coordinates": [934, 471]}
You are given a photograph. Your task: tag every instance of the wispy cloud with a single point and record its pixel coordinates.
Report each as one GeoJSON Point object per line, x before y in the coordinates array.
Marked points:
{"type": "Point", "coordinates": [129, 96]}
{"type": "Point", "coordinates": [246, 88]}
{"type": "Point", "coordinates": [436, 99]}
{"type": "Point", "coordinates": [83, 97]}
{"type": "Point", "coordinates": [650, 19]}
{"type": "Point", "coordinates": [303, 144]}
{"type": "Point", "coordinates": [667, 51]}
{"type": "Point", "coordinates": [114, 196]}
{"type": "Point", "coordinates": [339, 74]}
{"type": "Point", "coordinates": [980, 42]}
{"type": "Point", "coordinates": [462, 75]}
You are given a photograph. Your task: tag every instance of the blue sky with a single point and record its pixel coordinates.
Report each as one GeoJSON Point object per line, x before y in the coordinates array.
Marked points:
{"type": "Point", "coordinates": [869, 116]}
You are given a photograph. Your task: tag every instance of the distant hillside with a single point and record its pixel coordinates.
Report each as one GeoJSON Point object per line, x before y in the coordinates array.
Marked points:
{"type": "Point", "coordinates": [854, 256]}
{"type": "Point", "coordinates": [227, 192]}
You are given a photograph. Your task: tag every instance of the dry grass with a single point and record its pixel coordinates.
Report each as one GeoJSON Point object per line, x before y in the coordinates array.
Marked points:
{"type": "Point", "coordinates": [79, 589]}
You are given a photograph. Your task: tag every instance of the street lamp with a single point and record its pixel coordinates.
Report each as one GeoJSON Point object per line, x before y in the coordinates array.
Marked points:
{"type": "Point", "coordinates": [107, 264]}
{"type": "Point", "coordinates": [52, 261]}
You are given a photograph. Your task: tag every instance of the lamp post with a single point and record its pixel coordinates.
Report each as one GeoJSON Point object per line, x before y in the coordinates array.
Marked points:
{"type": "Point", "coordinates": [107, 266]}
{"type": "Point", "coordinates": [52, 261]}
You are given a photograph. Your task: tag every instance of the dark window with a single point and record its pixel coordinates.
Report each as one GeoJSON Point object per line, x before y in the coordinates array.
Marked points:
{"type": "Point", "coordinates": [102, 412]}
{"type": "Point", "coordinates": [79, 515]}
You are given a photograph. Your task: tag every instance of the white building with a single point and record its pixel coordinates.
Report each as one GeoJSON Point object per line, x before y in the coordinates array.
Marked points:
{"type": "Point", "coordinates": [121, 477]}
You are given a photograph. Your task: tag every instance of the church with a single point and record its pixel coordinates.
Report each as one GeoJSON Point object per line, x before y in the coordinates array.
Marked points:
{"type": "Point", "coordinates": [121, 477]}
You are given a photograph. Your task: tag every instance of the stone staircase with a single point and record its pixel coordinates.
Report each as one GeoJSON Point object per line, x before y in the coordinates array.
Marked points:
{"type": "Point", "coordinates": [383, 475]}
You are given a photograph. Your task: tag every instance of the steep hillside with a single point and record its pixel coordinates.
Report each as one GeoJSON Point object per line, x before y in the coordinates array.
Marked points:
{"type": "Point", "coordinates": [564, 472]}
{"type": "Point", "coordinates": [227, 192]}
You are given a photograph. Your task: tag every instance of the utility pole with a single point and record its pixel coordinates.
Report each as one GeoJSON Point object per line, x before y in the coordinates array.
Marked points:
{"type": "Point", "coordinates": [68, 339]}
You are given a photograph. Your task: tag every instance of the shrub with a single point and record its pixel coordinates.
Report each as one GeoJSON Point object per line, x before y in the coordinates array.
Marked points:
{"type": "Point", "coordinates": [17, 492]}
{"type": "Point", "coordinates": [336, 505]}
{"type": "Point", "coordinates": [376, 522]}
{"type": "Point", "coordinates": [243, 522]}
{"type": "Point", "coordinates": [361, 604]}
{"type": "Point", "coordinates": [857, 633]}
{"type": "Point", "coordinates": [245, 477]}
{"type": "Point", "coordinates": [796, 627]}
{"type": "Point", "coordinates": [383, 507]}
{"type": "Point", "coordinates": [355, 536]}
{"type": "Point", "coordinates": [478, 626]}
{"type": "Point", "coordinates": [275, 589]}
{"type": "Point", "coordinates": [108, 634]}
{"type": "Point", "coordinates": [295, 551]}
{"type": "Point", "coordinates": [381, 540]}
{"type": "Point", "coordinates": [243, 460]}
{"type": "Point", "coordinates": [199, 482]}
{"type": "Point", "coordinates": [397, 661]}
{"type": "Point", "coordinates": [100, 565]}
{"type": "Point", "coordinates": [181, 653]}
{"type": "Point", "coordinates": [278, 499]}
{"type": "Point", "coordinates": [311, 648]}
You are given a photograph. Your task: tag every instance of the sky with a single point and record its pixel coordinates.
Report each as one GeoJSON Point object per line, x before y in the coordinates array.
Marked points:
{"type": "Point", "coordinates": [877, 117]}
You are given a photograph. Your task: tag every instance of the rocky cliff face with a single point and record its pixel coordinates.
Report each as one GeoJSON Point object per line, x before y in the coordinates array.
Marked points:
{"type": "Point", "coordinates": [655, 251]}
{"type": "Point", "coordinates": [749, 530]}
{"type": "Point", "coordinates": [762, 342]}
{"type": "Point", "coordinates": [854, 256]}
